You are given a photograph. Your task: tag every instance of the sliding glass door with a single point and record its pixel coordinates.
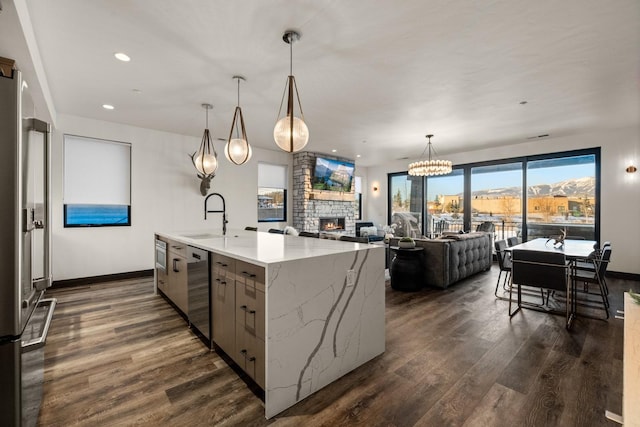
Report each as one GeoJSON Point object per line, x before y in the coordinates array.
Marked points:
{"type": "Point", "coordinates": [496, 196]}
{"type": "Point", "coordinates": [445, 203]}
{"type": "Point", "coordinates": [405, 204]}
{"type": "Point", "coordinates": [561, 195]}
{"type": "Point", "coordinates": [527, 197]}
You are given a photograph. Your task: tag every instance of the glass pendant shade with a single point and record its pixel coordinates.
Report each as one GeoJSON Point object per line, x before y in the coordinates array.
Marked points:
{"type": "Point", "coordinates": [431, 166]}
{"type": "Point", "coordinates": [291, 141]}
{"type": "Point", "coordinates": [205, 160]}
{"type": "Point", "coordinates": [291, 133]}
{"type": "Point", "coordinates": [237, 151]}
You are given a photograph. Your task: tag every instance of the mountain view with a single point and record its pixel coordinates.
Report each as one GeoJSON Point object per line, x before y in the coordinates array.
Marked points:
{"type": "Point", "coordinates": [570, 188]}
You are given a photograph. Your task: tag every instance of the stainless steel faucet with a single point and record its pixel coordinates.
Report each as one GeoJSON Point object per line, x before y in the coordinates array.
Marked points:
{"type": "Point", "coordinates": [223, 211]}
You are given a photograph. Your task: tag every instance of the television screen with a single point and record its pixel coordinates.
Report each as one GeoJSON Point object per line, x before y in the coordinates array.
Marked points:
{"type": "Point", "coordinates": [333, 175]}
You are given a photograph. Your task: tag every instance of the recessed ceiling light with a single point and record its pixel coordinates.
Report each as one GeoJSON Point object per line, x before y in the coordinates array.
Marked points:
{"type": "Point", "coordinates": [136, 91]}
{"type": "Point", "coordinates": [523, 102]}
{"type": "Point", "coordinates": [108, 106]}
{"type": "Point", "coordinates": [122, 57]}
{"type": "Point", "coordinates": [334, 150]}
{"type": "Point", "coordinates": [358, 155]}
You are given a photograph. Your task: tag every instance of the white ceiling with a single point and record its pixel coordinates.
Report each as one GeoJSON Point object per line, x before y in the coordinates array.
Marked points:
{"type": "Point", "coordinates": [384, 72]}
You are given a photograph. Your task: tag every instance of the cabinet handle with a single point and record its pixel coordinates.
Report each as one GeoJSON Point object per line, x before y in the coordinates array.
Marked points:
{"type": "Point", "coordinates": [243, 307]}
{"type": "Point", "coordinates": [196, 256]}
{"type": "Point", "coordinates": [248, 274]}
{"type": "Point", "coordinates": [252, 359]}
{"type": "Point", "coordinates": [222, 282]}
{"type": "Point", "coordinates": [243, 353]}
{"type": "Point", "coordinates": [222, 264]}
{"type": "Point", "coordinates": [252, 312]}
{"type": "Point", "coordinates": [177, 247]}
{"type": "Point", "coordinates": [175, 268]}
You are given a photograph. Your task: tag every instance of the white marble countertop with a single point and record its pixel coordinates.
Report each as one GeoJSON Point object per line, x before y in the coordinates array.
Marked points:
{"type": "Point", "coordinates": [263, 248]}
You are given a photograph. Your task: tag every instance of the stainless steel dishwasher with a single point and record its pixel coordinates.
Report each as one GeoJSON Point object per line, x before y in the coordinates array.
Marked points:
{"type": "Point", "coordinates": [198, 286]}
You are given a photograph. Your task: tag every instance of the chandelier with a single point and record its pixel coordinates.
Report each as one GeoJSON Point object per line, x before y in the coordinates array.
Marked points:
{"type": "Point", "coordinates": [291, 133]}
{"type": "Point", "coordinates": [431, 166]}
{"type": "Point", "coordinates": [237, 150]}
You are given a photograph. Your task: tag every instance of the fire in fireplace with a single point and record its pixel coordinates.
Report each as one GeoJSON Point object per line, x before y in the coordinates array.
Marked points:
{"type": "Point", "coordinates": [332, 224]}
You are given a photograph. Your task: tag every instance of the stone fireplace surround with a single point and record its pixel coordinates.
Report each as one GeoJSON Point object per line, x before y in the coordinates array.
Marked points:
{"type": "Point", "coordinates": [311, 205]}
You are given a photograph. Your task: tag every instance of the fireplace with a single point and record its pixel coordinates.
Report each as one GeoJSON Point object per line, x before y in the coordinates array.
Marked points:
{"type": "Point", "coordinates": [331, 224]}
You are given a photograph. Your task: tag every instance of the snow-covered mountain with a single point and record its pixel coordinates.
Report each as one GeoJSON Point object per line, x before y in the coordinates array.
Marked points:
{"type": "Point", "coordinates": [571, 187]}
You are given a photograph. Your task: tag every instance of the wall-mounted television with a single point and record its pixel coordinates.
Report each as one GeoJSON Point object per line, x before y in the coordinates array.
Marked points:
{"type": "Point", "coordinates": [332, 175]}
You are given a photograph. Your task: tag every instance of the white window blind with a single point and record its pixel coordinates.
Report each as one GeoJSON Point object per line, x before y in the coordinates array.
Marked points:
{"type": "Point", "coordinates": [272, 176]}
{"type": "Point", "coordinates": [96, 172]}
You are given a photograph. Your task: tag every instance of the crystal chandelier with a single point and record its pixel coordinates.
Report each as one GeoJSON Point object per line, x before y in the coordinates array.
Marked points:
{"type": "Point", "coordinates": [291, 133]}
{"type": "Point", "coordinates": [237, 150]}
{"type": "Point", "coordinates": [431, 166]}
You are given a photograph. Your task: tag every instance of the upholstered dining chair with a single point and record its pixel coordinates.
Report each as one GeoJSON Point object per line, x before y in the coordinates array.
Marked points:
{"type": "Point", "coordinates": [540, 269]}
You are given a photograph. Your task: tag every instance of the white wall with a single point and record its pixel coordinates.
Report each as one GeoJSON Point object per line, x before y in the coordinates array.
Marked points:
{"type": "Point", "coordinates": [165, 196]}
{"type": "Point", "coordinates": [620, 191]}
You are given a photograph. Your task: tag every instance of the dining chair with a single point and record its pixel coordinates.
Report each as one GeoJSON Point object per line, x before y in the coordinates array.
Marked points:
{"type": "Point", "coordinates": [276, 231]}
{"type": "Point", "coordinates": [309, 234]}
{"type": "Point", "coordinates": [504, 262]}
{"type": "Point", "coordinates": [251, 228]}
{"type": "Point", "coordinates": [512, 241]}
{"type": "Point", "coordinates": [595, 275]}
{"type": "Point", "coordinates": [540, 269]}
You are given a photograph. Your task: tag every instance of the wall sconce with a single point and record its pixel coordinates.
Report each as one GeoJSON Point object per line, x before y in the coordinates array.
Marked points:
{"type": "Point", "coordinates": [631, 169]}
{"type": "Point", "coordinates": [375, 188]}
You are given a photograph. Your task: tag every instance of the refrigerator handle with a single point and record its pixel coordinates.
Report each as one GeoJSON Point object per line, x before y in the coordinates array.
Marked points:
{"type": "Point", "coordinates": [39, 341]}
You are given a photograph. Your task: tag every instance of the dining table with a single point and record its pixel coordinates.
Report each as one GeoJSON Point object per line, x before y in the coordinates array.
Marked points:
{"type": "Point", "coordinates": [573, 250]}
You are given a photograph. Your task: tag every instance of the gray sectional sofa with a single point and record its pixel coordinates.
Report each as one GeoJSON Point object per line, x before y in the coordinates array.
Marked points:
{"type": "Point", "coordinates": [454, 257]}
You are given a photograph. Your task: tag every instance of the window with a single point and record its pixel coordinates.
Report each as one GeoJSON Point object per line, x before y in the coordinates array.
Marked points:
{"type": "Point", "coordinates": [562, 193]}
{"type": "Point", "coordinates": [358, 198]}
{"type": "Point", "coordinates": [97, 182]}
{"type": "Point", "coordinates": [530, 197]}
{"type": "Point", "coordinates": [272, 193]}
{"type": "Point", "coordinates": [496, 196]}
{"type": "Point", "coordinates": [406, 203]}
{"type": "Point", "coordinates": [445, 202]}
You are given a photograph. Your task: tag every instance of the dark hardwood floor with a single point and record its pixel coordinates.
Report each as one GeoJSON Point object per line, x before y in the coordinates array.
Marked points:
{"type": "Point", "coordinates": [119, 355]}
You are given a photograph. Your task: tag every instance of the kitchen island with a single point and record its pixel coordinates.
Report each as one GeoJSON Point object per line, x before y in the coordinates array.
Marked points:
{"type": "Point", "coordinates": [307, 311]}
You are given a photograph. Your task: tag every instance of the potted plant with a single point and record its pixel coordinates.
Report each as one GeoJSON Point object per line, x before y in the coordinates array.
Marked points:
{"type": "Point", "coordinates": [406, 243]}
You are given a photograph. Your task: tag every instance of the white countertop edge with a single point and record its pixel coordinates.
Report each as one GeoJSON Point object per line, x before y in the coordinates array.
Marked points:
{"type": "Point", "coordinates": [235, 245]}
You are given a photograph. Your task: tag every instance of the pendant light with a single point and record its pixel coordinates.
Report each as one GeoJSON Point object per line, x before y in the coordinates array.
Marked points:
{"type": "Point", "coordinates": [205, 159]}
{"type": "Point", "coordinates": [431, 166]}
{"type": "Point", "coordinates": [237, 150]}
{"type": "Point", "coordinates": [291, 133]}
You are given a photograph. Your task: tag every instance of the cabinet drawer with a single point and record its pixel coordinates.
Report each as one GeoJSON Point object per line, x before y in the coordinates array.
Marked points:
{"type": "Point", "coordinates": [177, 289]}
{"type": "Point", "coordinates": [177, 248]}
{"type": "Point", "coordinates": [250, 312]}
{"type": "Point", "coordinates": [162, 280]}
{"type": "Point", "coordinates": [250, 275]}
{"type": "Point", "coordinates": [250, 351]}
{"type": "Point", "coordinates": [223, 267]}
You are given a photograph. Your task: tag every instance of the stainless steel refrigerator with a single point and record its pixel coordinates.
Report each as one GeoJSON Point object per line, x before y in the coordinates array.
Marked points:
{"type": "Point", "coordinates": [25, 242]}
